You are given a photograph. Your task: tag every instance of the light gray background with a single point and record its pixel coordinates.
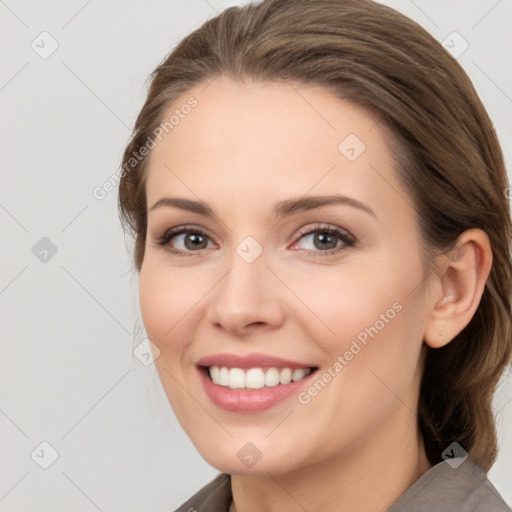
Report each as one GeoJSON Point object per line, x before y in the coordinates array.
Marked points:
{"type": "Point", "coordinates": [68, 374]}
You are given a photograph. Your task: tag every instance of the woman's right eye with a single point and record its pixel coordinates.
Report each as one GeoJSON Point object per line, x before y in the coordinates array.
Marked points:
{"type": "Point", "coordinates": [184, 241]}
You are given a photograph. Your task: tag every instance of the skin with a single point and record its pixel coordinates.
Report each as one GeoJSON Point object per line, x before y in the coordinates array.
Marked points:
{"type": "Point", "coordinates": [355, 446]}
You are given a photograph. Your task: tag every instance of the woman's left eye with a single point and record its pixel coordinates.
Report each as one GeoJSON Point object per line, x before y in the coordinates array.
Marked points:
{"type": "Point", "coordinates": [327, 240]}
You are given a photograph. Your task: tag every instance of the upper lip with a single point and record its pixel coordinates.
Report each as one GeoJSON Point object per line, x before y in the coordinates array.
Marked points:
{"type": "Point", "coordinates": [250, 361]}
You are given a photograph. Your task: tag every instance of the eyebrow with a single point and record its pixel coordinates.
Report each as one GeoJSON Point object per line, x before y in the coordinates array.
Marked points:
{"type": "Point", "coordinates": [281, 209]}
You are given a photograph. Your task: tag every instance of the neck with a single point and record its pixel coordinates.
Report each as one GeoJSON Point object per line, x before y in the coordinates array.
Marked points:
{"type": "Point", "coordinates": [368, 478]}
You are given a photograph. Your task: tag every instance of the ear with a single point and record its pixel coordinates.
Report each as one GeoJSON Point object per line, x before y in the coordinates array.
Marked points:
{"type": "Point", "coordinates": [457, 287]}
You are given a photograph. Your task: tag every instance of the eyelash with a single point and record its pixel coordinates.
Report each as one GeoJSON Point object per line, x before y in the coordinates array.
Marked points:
{"type": "Point", "coordinates": [347, 239]}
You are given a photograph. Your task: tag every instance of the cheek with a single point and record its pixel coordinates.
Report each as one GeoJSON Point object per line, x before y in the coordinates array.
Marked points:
{"type": "Point", "coordinates": [366, 306]}
{"type": "Point", "coordinates": [172, 304]}
{"type": "Point", "coordinates": [374, 349]}
{"type": "Point", "coordinates": [342, 301]}
{"type": "Point", "coordinates": [163, 302]}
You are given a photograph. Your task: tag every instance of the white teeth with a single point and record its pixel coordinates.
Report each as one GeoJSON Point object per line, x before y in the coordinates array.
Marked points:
{"type": "Point", "coordinates": [214, 372]}
{"type": "Point", "coordinates": [285, 377]}
{"type": "Point", "coordinates": [223, 377]}
{"type": "Point", "coordinates": [271, 377]}
{"type": "Point", "coordinates": [298, 373]}
{"type": "Point", "coordinates": [255, 378]}
{"type": "Point", "coordinates": [236, 378]}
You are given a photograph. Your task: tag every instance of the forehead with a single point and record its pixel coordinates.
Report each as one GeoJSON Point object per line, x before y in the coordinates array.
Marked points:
{"type": "Point", "coordinates": [272, 140]}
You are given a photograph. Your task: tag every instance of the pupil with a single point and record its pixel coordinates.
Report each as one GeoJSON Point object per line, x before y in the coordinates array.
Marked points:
{"type": "Point", "coordinates": [322, 238]}
{"type": "Point", "coordinates": [194, 241]}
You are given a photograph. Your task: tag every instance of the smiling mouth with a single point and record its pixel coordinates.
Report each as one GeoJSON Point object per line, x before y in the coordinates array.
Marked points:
{"type": "Point", "coordinates": [255, 378]}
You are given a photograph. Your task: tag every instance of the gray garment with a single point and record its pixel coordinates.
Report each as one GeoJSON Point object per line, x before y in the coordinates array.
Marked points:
{"type": "Point", "coordinates": [444, 489]}
{"type": "Point", "coordinates": [441, 489]}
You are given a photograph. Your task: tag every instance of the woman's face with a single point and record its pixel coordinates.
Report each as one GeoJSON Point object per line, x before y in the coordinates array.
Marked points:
{"type": "Point", "coordinates": [293, 240]}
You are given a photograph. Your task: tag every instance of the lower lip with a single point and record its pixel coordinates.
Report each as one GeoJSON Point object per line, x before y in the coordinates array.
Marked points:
{"type": "Point", "coordinates": [249, 400]}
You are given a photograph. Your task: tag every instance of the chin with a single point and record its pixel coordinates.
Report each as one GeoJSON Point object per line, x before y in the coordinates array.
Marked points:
{"type": "Point", "coordinates": [244, 458]}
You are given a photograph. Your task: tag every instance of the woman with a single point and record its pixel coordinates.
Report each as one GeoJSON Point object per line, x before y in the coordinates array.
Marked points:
{"type": "Point", "coordinates": [322, 234]}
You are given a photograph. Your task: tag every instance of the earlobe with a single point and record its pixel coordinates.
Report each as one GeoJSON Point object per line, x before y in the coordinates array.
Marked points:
{"type": "Point", "coordinates": [439, 329]}
{"type": "Point", "coordinates": [460, 283]}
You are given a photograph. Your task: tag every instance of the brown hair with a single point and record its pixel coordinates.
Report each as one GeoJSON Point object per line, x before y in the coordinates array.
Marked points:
{"type": "Point", "coordinates": [449, 161]}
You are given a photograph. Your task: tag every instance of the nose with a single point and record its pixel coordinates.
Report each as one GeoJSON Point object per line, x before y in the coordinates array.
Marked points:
{"type": "Point", "coordinates": [247, 299]}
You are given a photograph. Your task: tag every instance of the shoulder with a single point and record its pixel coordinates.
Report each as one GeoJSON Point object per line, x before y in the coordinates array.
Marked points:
{"type": "Point", "coordinates": [215, 496]}
{"type": "Point", "coordinates": [444, 488]}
